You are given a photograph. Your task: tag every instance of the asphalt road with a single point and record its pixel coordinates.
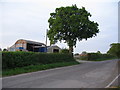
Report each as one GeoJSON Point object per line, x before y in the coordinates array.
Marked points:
{"type": "Point", "coordinates": [116, 82]}
{"type": "Point", "coordinates": [84, 75]}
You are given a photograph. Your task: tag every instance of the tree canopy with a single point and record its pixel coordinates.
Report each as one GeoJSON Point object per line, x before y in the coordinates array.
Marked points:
{"type": "Point", "coordinates": [71, 24]}
{"type": "Point", "coordinates": [114, 49]}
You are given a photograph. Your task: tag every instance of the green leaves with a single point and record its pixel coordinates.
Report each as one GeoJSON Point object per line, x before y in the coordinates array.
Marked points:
{"type": "Point", "coordinates": [114, 50]}
{"type": "Point", "coordinates": [12, 60]}
{"type": "Point", "coordinates": [71, 24]}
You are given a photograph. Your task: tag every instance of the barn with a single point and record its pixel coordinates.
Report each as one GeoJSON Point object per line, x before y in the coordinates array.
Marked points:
{"type": "Point", "coordinates": [53, 49]}
{"type": "Point", "coordinates": [27, 45]}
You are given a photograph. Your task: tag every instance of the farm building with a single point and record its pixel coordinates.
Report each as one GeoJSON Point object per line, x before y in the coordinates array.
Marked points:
{"type": "Point", "coordinates": [53, 49]}
{"type": "Point", "coordinates": [27, 45]}
{"type": "Point", "coordinates": [12, 48]}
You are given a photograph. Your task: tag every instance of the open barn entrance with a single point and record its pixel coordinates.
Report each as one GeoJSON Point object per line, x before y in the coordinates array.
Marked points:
{"type": "Point", "coordinates": [36, 48]}
{"type": "Point", "coordinates": [55, 50]}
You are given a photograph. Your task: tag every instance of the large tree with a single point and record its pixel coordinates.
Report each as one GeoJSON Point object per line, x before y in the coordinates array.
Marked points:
{"type": "Point", "coordinates": [114, 49]}
{"type": "Point", "coordinates": [71, 24]}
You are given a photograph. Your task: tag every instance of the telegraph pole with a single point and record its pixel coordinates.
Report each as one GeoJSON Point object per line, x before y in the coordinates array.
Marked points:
{"type": "Point", "coordinates": [46, 39]}
{"type": "Point", "coordinates": [46, 36]}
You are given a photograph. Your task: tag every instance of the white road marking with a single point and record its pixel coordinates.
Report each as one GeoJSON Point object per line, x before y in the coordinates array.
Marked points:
{"type": "Point", "coordinates": [112, 81]}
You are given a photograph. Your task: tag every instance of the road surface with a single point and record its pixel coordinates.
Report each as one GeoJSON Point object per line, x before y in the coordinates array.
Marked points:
{"type": "Point", "coordinates": [85, 75]}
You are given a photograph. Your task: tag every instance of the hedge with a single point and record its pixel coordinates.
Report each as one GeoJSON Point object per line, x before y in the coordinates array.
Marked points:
{"type": "Point", "coordinates": [97, 56]}
{"type": "Point", "coordinates": [20, 59]}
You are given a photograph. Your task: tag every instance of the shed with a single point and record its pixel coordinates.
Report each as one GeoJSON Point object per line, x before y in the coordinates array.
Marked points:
{"type": "Point", "coordinates": [53, 49]}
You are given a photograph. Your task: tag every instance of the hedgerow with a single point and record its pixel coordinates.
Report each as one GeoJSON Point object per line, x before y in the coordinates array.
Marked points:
{"type": "Point", "coordinates": [96, 56]}
{"type": "Point", "coordinates": [33, 68]}
{"type": "Point", "coordinates": [20, 59]}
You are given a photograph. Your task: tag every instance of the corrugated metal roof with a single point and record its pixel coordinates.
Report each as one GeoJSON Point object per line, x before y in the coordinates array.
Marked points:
{"type": "Point", "coordinates": [33, 42]}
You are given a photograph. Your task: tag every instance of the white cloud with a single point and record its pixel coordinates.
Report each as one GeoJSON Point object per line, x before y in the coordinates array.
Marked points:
{"type": "Point", "coordinates": [28, 19]}
{"type": "Point", "coordinates": [59, 0]}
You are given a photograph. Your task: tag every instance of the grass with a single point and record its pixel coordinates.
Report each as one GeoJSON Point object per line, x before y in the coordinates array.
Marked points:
{"type": "Point", "coordinates": [0, 73]}
{"type": "Point", "coordinates": [103, 59]}
{"type": "Point", "coordinates": [33, 68]}
{"type": "Point", "coordinates": [115, 87]}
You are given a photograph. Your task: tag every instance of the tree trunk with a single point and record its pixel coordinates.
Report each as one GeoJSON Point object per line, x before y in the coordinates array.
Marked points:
{"type": "Point", "coordinates": [71, 50]}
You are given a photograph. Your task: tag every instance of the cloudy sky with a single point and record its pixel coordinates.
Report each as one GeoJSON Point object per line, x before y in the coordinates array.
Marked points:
{"type": "Point", "coordinates": [28, 19]}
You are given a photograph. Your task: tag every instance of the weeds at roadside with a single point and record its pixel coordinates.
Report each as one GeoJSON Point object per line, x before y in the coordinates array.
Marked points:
{"type": "Point", "coordinates": [33, 68]}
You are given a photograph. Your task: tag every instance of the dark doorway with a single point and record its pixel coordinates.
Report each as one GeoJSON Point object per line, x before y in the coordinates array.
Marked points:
{"type": "Point", "coordinates": [36, 49]}
{"type": "Point", "coordinates": [30, 47]}
{"type": "Point", "coordinates": [55, 50]}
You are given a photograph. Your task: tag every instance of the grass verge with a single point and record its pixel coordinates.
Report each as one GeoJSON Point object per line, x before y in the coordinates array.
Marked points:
{"type": "Point", "coordinates": [33, 68]}
{"type": "Point", "coordinates": [115, 87]}
{"type": "Point", "coordinates": [103, 59]}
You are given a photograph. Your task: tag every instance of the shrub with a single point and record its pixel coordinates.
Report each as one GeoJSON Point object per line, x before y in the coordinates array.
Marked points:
{"type": "Point", "coordinates": [96, 56]}
{"type": "Point", "coordinates": [76, 54]}
{"type": "Point", "coordinates": [114, 49]}
{"type": "Point", "coordinates": [21, 59]}
{"type": "Point", "coordinates": [83, 57]}
{"type": "Point", "coordinates": [64, 51]}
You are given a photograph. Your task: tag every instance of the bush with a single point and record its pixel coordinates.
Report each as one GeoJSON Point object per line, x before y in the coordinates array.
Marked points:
{"type": "Point", "coordinates": [21, 59]}
{"type": "Point", "coordinates": [83, 57]}
{"type": "Point", "coordinates": [96, 56]}
{"type": "Point", "coordinates": [76, 54]}
{"type": "Point", "coordinates": [64, 51]}
{"type": "Point", "coordinates": [114, 49]}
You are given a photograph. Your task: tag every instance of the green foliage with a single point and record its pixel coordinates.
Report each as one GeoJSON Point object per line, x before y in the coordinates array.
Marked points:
{"type": "Point", "coordinates": [33, 68]}
{"type": "Point", "coordinates": [98, 52]}
{"type": "Point", "coordinates": [76, 54]}
{"type": "Point", "coordinates": [21, 59]}
{"type": "Point", "coordinates": [115, 49]}
{"type": "Point", "coordinates": [5, 49]}
{"type": "Point", "coordinates": [64, 51]}
{"type": "Point", "coordinates": [96, 57]}
{"type": "Point", "coordinates": [84, 52]}
{"type": "Point", "coordinates": [83, 57]}
{"type": "Point", "coordinates": [71, 24]}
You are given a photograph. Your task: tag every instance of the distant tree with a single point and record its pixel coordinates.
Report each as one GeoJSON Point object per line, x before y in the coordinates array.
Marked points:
{"type": "Point", "coordinates": [84, 52]}
{"type": "Point", "coordinates": [76, 54]}
{"type": "Point", "coordinates": [98, 52]}
{"type": "Point", "coordinates": [71, 24]}
{"type": "Point", "coordinates": [5, 49]}
{"type": "Point", "coordinates": [0, 49]}
{"type": "Point", "coordinates": [114, 49]}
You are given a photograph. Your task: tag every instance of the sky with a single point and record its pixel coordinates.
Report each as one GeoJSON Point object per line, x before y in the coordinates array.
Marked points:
{"type": "Point", "coordinates": [28, 19]}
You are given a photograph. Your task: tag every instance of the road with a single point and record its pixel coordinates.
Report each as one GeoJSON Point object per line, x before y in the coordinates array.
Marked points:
{"type": "Point", "coordinates": [85, 75]}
